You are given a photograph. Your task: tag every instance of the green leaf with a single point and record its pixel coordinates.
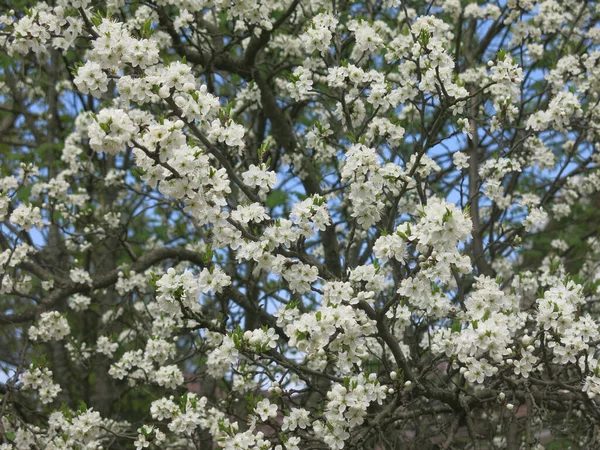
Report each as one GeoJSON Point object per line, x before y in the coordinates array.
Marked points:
{"type": "Point", "coordinates": [24, 193]}
{"type": "Point", "coordinates": [560, 444]}
{"type": "Point", "coordinates": [147, 29]}
{"type": "Point", "coordinates": [264, 148]}
{"type": "Point", "coordinates": [276, 198]}
{"type": "Point", "coordinates": [208, 255]}
{"type": "Point", "coordinates": [456, 326]}
{"type": "Point", "coordinates": [447, 216]}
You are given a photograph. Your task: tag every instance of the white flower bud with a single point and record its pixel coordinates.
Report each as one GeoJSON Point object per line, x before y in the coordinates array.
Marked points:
{"type": "Point", "coordinates": [164, 92]}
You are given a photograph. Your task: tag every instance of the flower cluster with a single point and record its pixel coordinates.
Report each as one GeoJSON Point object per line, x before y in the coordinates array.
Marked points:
{"type": "Point", "coordinates": [341, 223]}
{"type": "Point", "coordinates": [40, 379]}
{"type": "Point", "coordinates": [319, 33]}
{"type": "Point", "coordinates": [27, 217]}
{"type": "Point", "coordinates": [111, 131]}
{"type": "Point", "coordinates": [51, 325]}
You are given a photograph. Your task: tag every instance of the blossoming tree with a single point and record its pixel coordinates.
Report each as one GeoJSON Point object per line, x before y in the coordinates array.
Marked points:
{"type": "Point", "coordinates": [276, 224]}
